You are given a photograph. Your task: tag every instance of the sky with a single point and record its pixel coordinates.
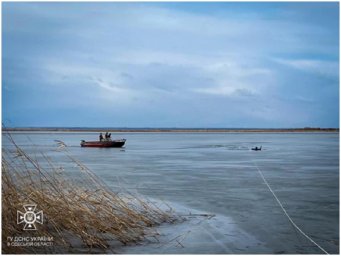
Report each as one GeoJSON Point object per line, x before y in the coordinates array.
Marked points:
{"type": "Point", "coordinates": [180, 64]}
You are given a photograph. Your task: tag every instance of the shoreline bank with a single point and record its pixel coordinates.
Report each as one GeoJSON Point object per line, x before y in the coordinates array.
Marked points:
{"type": "Point", "coordinates": [175, 130]}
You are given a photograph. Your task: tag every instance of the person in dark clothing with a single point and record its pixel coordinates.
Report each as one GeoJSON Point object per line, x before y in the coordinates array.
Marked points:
{"type": "Point", "coordinates": [100, 137]}
{"type": "Point", "coordinates": [106, 135]}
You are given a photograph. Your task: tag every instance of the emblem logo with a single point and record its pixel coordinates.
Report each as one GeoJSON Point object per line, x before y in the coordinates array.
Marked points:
{"type": "Point", "coordinates": [29, 217]}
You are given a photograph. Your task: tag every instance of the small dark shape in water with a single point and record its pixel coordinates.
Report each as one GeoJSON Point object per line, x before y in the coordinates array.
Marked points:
{"type": "Point", "coordinates": [257, 149]}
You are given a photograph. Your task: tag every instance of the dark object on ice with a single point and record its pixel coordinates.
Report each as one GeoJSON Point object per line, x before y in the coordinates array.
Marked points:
{"type": "Point", "coordinates": [257, 149]}
{"type": "Point", "coordinates": [103, 143]}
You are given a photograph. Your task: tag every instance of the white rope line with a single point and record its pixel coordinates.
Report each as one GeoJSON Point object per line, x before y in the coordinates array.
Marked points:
{"type": "Point", "coordinates": [285, 212]}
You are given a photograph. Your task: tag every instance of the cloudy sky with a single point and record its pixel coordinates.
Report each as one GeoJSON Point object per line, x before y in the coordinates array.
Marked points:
{"type": "Point", "coordinates": [240, 65]}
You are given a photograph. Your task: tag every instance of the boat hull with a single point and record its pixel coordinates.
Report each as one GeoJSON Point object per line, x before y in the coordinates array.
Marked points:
{"type": "Point", "coordinates": [103, 144]}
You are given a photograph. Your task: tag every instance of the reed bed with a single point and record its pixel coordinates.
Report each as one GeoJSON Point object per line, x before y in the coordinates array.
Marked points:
{"type": "Point", "coordinates": [81, 217]}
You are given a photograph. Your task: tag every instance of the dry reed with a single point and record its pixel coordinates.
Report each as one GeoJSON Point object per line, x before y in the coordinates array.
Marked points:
{"type": "Point", "coordinates": [87, 216]}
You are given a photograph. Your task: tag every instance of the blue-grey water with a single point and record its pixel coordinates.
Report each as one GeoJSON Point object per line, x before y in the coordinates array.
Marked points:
{"type": "Point", "coordinates": [217, 173]}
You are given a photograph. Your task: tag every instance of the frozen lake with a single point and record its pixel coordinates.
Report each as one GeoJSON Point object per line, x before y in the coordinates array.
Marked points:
{"type": "Point", "coordinates": [216, 173]}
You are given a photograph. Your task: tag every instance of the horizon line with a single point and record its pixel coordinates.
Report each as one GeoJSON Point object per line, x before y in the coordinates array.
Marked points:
{"type": "Point", "coordinates": [165, 128]}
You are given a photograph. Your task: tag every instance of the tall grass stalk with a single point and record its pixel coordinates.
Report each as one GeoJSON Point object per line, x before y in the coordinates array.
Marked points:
{"type": "Point", "coordinates": [85, 215]}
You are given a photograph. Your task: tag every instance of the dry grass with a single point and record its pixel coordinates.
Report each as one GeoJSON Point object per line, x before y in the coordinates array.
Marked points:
{"type": "Point", "coordinates": [87, 216]}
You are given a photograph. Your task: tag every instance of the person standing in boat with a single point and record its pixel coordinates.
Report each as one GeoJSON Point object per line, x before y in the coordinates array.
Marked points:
{"type": "Point", "coordinates": [100, 137]}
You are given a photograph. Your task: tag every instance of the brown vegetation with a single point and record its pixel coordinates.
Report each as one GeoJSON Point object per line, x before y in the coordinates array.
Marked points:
{"type": "Point", "coordinates": [88, 216]}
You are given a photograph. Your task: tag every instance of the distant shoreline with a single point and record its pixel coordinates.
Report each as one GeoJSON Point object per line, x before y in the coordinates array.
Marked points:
{"type": "Point", "coordinates": [161, 130]}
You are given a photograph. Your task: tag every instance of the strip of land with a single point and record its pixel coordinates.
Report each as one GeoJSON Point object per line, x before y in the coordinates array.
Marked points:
{"type": "Point", "coordinates": [189, 130]}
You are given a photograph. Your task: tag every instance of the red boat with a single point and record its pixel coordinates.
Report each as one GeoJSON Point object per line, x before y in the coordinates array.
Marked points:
{"type": "Point", "coordinates": [103, 143]}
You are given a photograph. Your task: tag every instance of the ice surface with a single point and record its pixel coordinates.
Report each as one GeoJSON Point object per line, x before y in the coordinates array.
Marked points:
{"type": "Point", "coordinates": [215, 173]}
{"type": "Point", "coordinates": [201, 233]}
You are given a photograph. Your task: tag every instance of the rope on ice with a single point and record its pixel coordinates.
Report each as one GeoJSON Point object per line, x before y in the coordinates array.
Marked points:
{"type": "Point", "coordinates": [285, 212]}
